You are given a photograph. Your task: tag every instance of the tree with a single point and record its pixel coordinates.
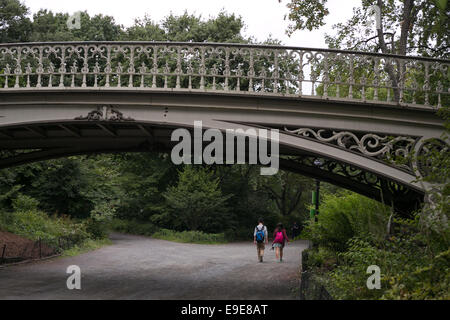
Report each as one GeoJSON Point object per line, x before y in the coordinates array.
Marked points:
{"type": "Point", "coordinates": [197, 199]}
{"type": "Point", "coordinates": [14, 24]}
{"type": "Point", "coordinates": [143, 178]}
{"type": "Point", "coordinates": [407, 27]}
{"type": "Point", "coordinates": [188, 28]}
{"type": "Point", "coordinates": [288, 191]}
{"type": "Point", "coordinates": [49, 26]}
{"type": "Point", "coordinates": [418, 27]}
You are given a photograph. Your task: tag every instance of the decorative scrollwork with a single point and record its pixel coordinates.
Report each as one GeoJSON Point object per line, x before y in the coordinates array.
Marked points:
{"type": "Point", "coordinates": [235, 68]}
{"type": "Point", "coordinates": [105, 113]}
{"type": "Point", "coordinates": [381, 147]}
{"type": "Point", "coordinates": [353, 175]}
{"type": "Point", "coordinates": [341, 169]}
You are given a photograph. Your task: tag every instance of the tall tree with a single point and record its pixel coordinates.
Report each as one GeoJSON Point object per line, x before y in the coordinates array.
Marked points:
{"type": "Point", "coordinates": [49, 26]}
{"type": "Point", "coordinates": [15, 26]}
{"type": "Point", "coordinates": [288, 191]}
{"type": "Point", "coordinates": [406, 27]}
{"type": "Point", "coordinates": [188, 28]}
{"type": "Point", "coordinates": [197, 200]}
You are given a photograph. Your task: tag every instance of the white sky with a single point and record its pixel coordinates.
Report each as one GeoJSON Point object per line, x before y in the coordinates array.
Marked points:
{"type": "Point", "coordinates": [262, 17]}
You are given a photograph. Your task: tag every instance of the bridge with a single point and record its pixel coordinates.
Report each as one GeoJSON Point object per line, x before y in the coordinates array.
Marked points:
{"type": "Point", "coordinates": [363, 121]}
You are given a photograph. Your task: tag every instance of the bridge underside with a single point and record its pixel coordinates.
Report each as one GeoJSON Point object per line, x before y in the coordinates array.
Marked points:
{"type": "Point", "coordinates": [26, 144]}
{"type": "Point", "coordinates": [353, 144]}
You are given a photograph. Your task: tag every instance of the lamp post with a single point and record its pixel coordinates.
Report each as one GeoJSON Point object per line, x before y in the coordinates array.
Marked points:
{"type": "Point", "coordinates": [317, 198]}
{"type": "Point", "coordinates": [315, 195]}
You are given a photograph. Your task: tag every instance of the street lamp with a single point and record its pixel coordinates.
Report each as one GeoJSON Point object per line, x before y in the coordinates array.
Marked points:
{"type": "Point", "coordinates": [315, 194]}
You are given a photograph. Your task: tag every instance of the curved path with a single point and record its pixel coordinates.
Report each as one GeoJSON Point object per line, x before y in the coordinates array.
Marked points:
{"type": "Point", "coordinates": [136, 267]}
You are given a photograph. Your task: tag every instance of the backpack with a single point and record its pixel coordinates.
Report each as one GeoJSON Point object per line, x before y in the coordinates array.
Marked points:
{"type": "Point", "coordinates": [260, 234]}
{"type": "Point", "coordinates": [279, 238]}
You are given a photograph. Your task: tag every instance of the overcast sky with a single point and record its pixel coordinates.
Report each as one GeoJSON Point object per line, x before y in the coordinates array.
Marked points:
{"type": "Point", "coordinates": [262, 17]}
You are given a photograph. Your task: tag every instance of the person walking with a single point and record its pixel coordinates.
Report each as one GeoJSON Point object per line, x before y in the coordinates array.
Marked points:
{"type": "Point", "coordinates": [279, 240]}
{"type": "Point", "coordinates": [260, 238]}
{"type": "Point", "coordinates": [295, 230]}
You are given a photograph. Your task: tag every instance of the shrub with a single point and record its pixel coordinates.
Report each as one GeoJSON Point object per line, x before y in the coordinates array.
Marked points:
{"type": "Point", "coordinates": [190, 236]}
{"type": "Point", "coordinates": [99, 221]}
{"type": "Point", "coordinates": [35, 224]}
{"type": "Point", "coordinates": [97, 229]}
{"type": "Point", "coordinates": [133, 227]}
{"type": "Point", "coordinates": [24, 203]}
{"type": "Point", "coordinates": [343, 217]}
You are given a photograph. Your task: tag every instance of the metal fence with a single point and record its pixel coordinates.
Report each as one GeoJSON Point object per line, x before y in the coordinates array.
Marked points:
{"type": "Point", "coordinates": [226, 68]}
{"type": "Point", "coordinates": [11, 252]}
{"type": "Point", "coordinates": [310, 287]}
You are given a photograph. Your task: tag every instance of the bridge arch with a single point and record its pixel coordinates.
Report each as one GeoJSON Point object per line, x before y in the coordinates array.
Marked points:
{"type": "Point", "coordinates": [50, 106]}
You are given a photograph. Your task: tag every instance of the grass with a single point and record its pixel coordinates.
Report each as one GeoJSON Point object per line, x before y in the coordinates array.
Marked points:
{"type": "Point", "coordinates": [197, 237]}
{"type": "Point", "coordinates": [150, 230]}
{"type": "Point", "coordinates": [86, 246]}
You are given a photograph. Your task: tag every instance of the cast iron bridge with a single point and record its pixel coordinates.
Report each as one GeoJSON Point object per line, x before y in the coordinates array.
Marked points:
{"type": "Point", "coordinates": [362, 121]}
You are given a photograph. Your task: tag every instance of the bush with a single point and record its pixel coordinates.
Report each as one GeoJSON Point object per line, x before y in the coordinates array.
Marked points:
{"type": "Point", "coordinates": [97, 229]}
{"type": "Point", "coordinates": [343, 217]}
{"type": "Point", "coordinates": [190, 236]}
{"type": "Point", "coordinates": [320, 257]}
{"type": "Point", "coordinates": [133, 227]}
{"type": "Point", "coordinates": [99, 221]}
{"type": "Point", "coordinates": [24, 203]}
{"type": "Point", "coordinates": [35, 224]}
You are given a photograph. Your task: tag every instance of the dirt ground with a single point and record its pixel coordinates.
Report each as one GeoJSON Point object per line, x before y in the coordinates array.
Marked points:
{"type": "Point", "coordinates": [15, 246]}
{"type": "Point", "coordinates": [136, 267]}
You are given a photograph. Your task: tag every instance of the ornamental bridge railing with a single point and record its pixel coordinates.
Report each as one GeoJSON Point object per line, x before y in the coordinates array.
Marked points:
{"type": "Point", "coordinates": [226, 68]}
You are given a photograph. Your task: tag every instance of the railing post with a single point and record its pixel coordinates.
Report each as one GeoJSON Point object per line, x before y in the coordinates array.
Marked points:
{"type": "Point", "coordinates": [3, 253]}
{"type": "Point", "coordinates": [275, 70]}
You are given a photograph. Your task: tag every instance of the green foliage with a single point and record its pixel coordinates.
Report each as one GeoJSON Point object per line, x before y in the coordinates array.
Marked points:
{"type": "Point", "coordinates": [424, 32]}
{"type": "Point", "coordinates": [190, 236]}
{"type": "Point", "coordinates": [306, 14]}
{"type": "Point", "coordinates": [414, 259]}
{"type": "Point", "coordinates": [431, 281]}
{"type": "Point", "coordinates": [197, 200]}
{"type": "Point", "coordinates": [133, 227]}
{"type": "Point", "coordinates": [143, 178]}
{"type": "Point", "coordinates": [24, 203]}
{"type": "Point", "coordinates": [188, 28]}
{"type": "Point", "coordinates": [85, 246]}
{"type": "Point", "coordinates": [14, 24]}
{"type": "Point", "coordinates": [34, 224]}
{"type": "Point", "coordinates": [322, 258]}
{"type": "Point", "coordinates": [344, 216]}
{"type": "Point", "coordinates": [49, 26]}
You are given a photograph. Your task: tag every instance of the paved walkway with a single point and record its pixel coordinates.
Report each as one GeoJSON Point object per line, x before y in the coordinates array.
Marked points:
{"type": "Point", "coordinates": [136, 267]}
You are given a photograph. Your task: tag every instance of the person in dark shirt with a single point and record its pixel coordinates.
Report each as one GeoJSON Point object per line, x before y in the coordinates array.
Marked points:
{"type": "Point", "coordinates": [295, 230]}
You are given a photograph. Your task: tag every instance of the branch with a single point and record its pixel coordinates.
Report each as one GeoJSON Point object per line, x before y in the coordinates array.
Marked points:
{"type": "Point", "coordinates": [276, 197]}
{"type": "Point", "coordinates": [371, 38]}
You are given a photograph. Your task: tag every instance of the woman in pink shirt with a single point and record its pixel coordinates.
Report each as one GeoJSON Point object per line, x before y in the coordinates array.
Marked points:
{"type": "Point", "coordinates": [279, 240]}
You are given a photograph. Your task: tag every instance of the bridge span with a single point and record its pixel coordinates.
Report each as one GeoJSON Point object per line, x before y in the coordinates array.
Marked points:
{"type": "Point", "coordinates": [359, 120]}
